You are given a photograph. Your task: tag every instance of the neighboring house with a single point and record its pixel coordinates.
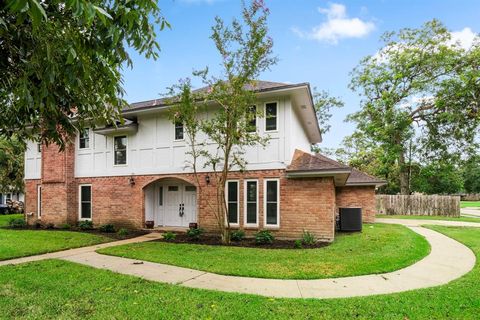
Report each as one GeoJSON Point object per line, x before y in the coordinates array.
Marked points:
{"type": "Point", "coordinates": [137, 172]}
{"type": "Point", "coordinates": [16, 196]}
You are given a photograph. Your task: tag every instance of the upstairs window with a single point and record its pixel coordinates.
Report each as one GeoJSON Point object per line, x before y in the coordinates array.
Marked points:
{"type": "Point", "coordinates": [252, 123]}
{"type": "Point", "coordinates": [232, 201]}
{"type": "Point", "coordinates": [84, 139]}
{"type": "Point", "coordinates": [39, 147]}
{"type": "Point", "coordinates": [271, 115]}
{"type": "Point", "coordinates": [178, 130]}
{"type": "Point", "coordinates": [120, 150]}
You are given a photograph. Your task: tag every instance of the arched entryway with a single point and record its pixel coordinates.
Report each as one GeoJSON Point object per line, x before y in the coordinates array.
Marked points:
{"type": "Point", "coordinates": [171, 202]}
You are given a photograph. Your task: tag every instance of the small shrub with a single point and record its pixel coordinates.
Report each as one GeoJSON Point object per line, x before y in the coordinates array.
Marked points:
{"type": "Point", "coordinates": [298, 244]}
{"type": "Point", "coordinates": [195, 233]}
{"type": "Point", "coordinates": [38, 224]}
{"type": "Point", "coordinates": [107, 228]}
{"type": "Point", "coordinates": [308, 238]}
{"type": "Point", "coordinates": [65, 226]}
{"type": "Point", "coordinates": [264, 237]}
{"type": "Point", "coordinates": [85, 225]}
{"type": "Point", "coordinates": [169, 236]}
{"type": "Point", "coordinates": [122, 232]}
{"type": "Point", "coordinates": [237, 235]}
{"type": "Point", "coordinates": [17, 223]}
{"type": "Point", "coordinates": [49, 226]}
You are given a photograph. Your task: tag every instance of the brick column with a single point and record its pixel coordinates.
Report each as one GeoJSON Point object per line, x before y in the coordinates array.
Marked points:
{"type": "Point", "coordinates": [58, 185]}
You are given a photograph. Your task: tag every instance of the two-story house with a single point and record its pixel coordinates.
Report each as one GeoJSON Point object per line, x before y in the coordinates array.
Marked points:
{"type": "Point", "coordinates": [138, 172]}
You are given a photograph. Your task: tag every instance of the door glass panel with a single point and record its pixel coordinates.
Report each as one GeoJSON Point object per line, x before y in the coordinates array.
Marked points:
{"type": "Point", "coordinates": [172, 188]}
{"type": "Point", "coordinates": [160, 196]}
{"type": "Point", "coordinates": [190, 188]}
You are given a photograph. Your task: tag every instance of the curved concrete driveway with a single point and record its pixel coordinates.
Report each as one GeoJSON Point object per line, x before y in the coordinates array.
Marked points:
{"type": "Point", "coordinates": [447, 261]}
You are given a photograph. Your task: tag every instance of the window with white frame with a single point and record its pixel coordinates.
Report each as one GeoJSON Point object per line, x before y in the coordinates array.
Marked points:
{"type": "Point", "coordinates": [85, 202]}
{"type": "Point", "coordinates": [39, 201]}
{"type": "Point", "coordinates": [178, 130]}
{"type": "Point", "coordinates": [272, 197]}
{"type": "Point", "coordinates": [271, 115]}
{"type": "Point", "coordinates": [251, 202]}
{"type": "Point", "coordinates": [252, 119]}
{"type": "Point", "coordinates": [39, 147]}
{"type": "Point", "coordinates": [84, 139]}
{"type": "Point", "coordinates": [120, 150]}
{"type": "Point", "coordinates": [232, 201]}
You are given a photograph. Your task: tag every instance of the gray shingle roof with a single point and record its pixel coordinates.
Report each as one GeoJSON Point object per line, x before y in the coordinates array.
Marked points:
{"type": "Point", "coordinates": [259, 86]}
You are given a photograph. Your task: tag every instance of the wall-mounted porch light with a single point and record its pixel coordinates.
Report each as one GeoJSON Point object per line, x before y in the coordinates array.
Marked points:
{"type": "Point", "coordinates": [207, 179]}
{"type": "Point", "coordinates": [131, 181]}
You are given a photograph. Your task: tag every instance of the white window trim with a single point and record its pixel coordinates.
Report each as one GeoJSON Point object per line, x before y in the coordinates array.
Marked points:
{"type": "Point", "coordinates": [265, 204]}
{"type": "Point", "coordinates": [90, 140]}
{"type": "Point", "coordinates": [174, 132]}
{"type": "Point", "coordinates": [80, 202]}
{"type": "Point", "coordinates": [265, 115]}
{"type": "Point", "coordinates": [249, 225]}
{"type": "Point", "coordinates": [126, 150]}
{"type": "Point", "coordinates": [39, 201]}
{"type": "Point", "coordinates": [238, 202]}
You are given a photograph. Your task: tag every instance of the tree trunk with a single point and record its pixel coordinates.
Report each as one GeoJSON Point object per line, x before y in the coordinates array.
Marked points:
{"type": "Point", "coordinates": [404, 174]}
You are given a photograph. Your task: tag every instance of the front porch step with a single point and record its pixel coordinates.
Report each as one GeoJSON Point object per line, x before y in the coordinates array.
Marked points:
{"type": "Point", "coordinates": [167, 229]}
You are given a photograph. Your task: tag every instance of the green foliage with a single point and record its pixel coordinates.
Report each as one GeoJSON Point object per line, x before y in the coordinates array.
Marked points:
{"type": "Point", "coordinates": [471, 174]}
{"type": "Point", "coordinates": [324, 103]}
{"type": "Point", "coordinates": [298, 244]}
{"type": "Point", "coordinates": [50, 226]}
{"type": "Point", "coordinates": [194, 233]}
{"type": "Point", "coordinates": [237, 235]}
{"type": "Point", "coordinates": [65, 226]}
{"type": "Point", "coordinates": [17, 223]}
{"type": "Point", "coordinates": [169, 236]}
{"type": "Point", "coordinates": [107, 228]}
{"type": "Point", "coordinates": [438, 178]}
{"type": "Point", "coordinates": [12, 153]}
{"type": "Point", "coordinates": [122, 232]}
{"type": "Point", "coordinates": [85, 225]}
{"type": "Point", "coordinates": [264, 237]}
{"type": "Point", "coordinates": [308, 238]}
{"type": "Point", "coordinates": [418, 98]}
{"type": "Point", "coordinates": [61, 62]}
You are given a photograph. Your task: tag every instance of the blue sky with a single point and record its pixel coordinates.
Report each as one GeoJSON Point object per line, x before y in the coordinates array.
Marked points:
{"type": "Point", "coordinates": [318, 42]}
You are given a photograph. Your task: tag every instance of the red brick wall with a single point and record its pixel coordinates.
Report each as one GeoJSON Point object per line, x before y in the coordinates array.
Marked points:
{"type": "Point", "coordinates": [305, 204]}
{"type": "Point", "coordinates": [358, 197]}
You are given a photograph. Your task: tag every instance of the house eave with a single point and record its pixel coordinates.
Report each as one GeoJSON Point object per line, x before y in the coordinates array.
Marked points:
{"type": "Point", "coordinates": [125, 129]}
{"type": "Point", "coordinates": [340, 176]}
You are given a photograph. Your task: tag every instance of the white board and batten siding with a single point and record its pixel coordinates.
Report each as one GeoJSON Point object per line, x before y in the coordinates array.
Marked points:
{"type": "Point", "coordinates": [154, 150]}
{"type": "Point", "coordinates": [33, 161]}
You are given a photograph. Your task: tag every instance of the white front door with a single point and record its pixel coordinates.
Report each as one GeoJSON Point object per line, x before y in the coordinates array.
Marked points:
{"type": "Point", "coordinates": [179, 205]}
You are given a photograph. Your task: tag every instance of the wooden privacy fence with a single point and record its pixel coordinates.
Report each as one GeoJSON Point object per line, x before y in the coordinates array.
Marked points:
{"type": "Point", "coordinates": [423, 205]}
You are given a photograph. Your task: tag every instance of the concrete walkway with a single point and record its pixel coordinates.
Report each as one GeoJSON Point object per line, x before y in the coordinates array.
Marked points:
{"type": "Point", "coordinates": [447, 261]}
{"type": "Point", "coordinates": [470, 212]}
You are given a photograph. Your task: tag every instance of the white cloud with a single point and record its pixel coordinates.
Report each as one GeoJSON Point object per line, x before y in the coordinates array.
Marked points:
{"type": "Point", "coordinates": [337, 26]}
{"type": "Point", "coordinates": [464, 38]}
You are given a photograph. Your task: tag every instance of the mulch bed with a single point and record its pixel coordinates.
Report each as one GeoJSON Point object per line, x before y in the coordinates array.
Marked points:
{"type": "Point", "coordinates": [247, 242]}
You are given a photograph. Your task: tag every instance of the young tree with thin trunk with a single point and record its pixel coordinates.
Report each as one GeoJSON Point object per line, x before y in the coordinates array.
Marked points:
{"type": "Point", "coordinates": [245, 51]}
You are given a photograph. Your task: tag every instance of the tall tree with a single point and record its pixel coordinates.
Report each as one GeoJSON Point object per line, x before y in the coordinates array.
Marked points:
{"type": "Point", "coordinates": [323, 104]}
{"type": "Point", "coordinates": [420, 87]}
{"type": "Point", "coordinates": [61, 62]}
{"type": "Point", "coordinates": [246, 51]}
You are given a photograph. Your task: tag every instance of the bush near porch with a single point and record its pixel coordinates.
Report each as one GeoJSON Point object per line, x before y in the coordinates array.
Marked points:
{"type": "Point", "coordinates": [379, 248]}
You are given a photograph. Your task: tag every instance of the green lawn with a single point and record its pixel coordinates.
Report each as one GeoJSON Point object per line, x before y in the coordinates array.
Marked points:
{"type": "Point", "coordinates": [379, 248]}
{"type": "Point", "coordinates": [5, 219]}
{"type": "Point", "coordinates": [463, 219]}
{"type": "Point", "coordinates": [21, 243]}
{"type": "Point", "coordinates": [465, 204]}
{"type": "Point", "coordinates": [61, 290]}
